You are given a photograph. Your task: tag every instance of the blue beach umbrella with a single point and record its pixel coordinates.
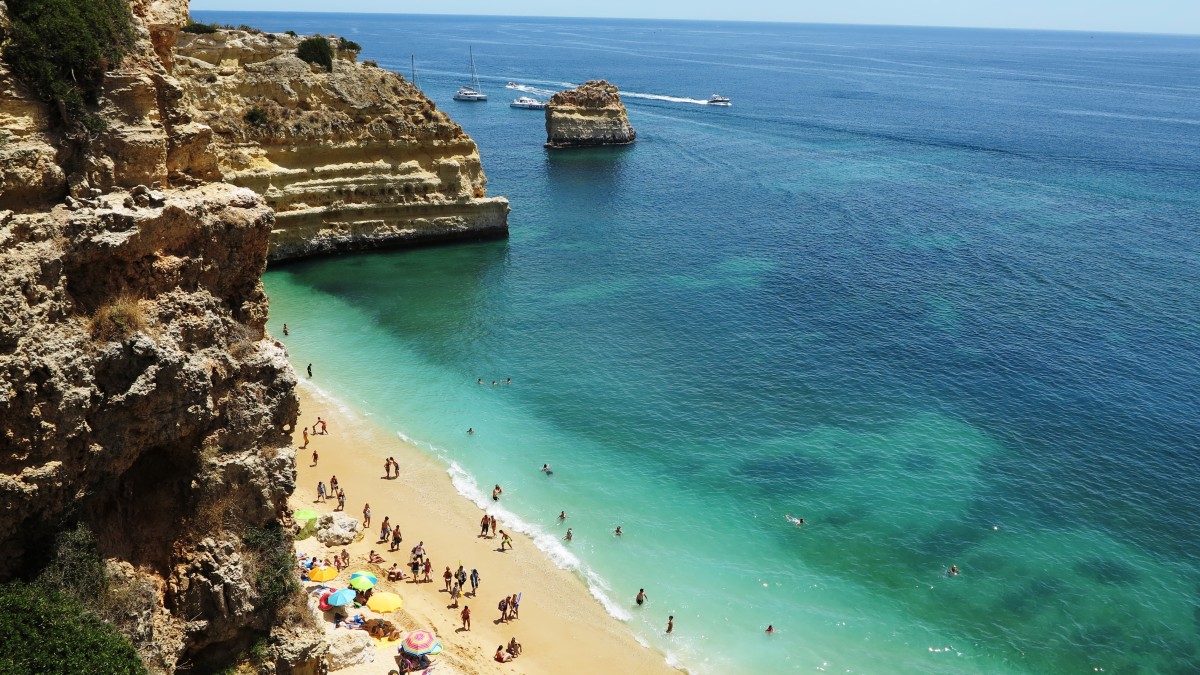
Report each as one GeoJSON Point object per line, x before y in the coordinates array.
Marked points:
{"type": "Point", "coordinates": [342, 597]}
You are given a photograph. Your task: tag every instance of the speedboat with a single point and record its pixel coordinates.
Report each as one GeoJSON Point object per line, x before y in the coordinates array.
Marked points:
{"type": "Point", "coordinates": [717, 99]}
{"type": "Point", "coordinates": [528, 103]}
{"type": "Point", "coordinates": [511, 85]}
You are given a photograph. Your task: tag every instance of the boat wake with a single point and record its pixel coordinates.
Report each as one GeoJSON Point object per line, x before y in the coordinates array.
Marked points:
{"type": "Point", "coordinates": [542, 91]}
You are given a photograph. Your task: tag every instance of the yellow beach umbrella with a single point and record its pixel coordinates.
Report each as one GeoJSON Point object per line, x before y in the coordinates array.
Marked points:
{"type": "Point", "coordinates": [322, 573]}
{"type": "Point", "coordinates": [385, 602]}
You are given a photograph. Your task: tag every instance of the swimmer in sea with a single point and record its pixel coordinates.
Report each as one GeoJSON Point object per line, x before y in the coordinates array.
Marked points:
{"type": "Point", "coordinates": [569, 536]}
{"type": "Point", "coordinates": [618, 531]}
{"type": "Point", "coordinates": [562, 515]}
{"type": "Point", "coordinates": [471, 431]}
{"type": "Point", "coordinates": [496, 492]}
{"type": "Point", "coordinates": [953, 571]}
{"type": "Point", "coordinates": [770, 629]}
{"type": "Point", "coordinates": [794, 520]}
{"type": "Point", "coordinates": [546, 469]}
{"type": "Point", "coordinates": [641, 597]}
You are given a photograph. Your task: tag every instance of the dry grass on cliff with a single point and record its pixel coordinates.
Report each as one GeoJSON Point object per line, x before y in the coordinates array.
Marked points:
{"type": "Point", "coordinates": [118, 319]}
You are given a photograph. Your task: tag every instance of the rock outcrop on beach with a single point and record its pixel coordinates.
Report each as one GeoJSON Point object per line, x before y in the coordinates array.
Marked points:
{"type": "Point", "coordinates": [350, 159]}
{"type": "Point", "coordinates": [587, 116]}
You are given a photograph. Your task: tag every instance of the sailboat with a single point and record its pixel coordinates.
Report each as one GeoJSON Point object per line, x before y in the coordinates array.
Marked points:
{"type": "Point", "coordinates": [471, 93]}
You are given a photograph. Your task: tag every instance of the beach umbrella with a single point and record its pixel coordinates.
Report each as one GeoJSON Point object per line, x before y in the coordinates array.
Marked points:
{"type": "Point", "coordinates": [364, 573]}
{"type": "Point", "coordinates": [342, 597]}
{"type": "Point", "coordinates": [385, 602]}
{"type": "Point", "coordinates": [363, 580]}
{"type": "Point", "coordinates": [322, 574]}
{"type": "Point", "coordinates": [304, 515]}
{"type": "Point", "coordinates": [419, 642]}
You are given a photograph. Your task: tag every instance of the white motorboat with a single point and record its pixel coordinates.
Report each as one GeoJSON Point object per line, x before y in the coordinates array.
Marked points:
{"type": "Point", "coordinates": [471, 92]}
{"type": "Point", "coordinates": [717, 99]}
{"type": "Point", "coordinates": [528, 103]}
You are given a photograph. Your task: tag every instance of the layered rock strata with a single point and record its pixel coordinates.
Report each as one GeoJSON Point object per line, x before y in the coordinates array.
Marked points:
{"type": "Point", "coordinates": [589, 115]}
{"type": "Point", "coordinates": [351, 159]}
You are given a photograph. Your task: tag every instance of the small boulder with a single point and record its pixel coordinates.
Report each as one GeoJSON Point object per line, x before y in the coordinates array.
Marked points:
{"type": "Point", "coordinates": [349, 648]}
{"type": "Point", "coordinates": [337, 529]}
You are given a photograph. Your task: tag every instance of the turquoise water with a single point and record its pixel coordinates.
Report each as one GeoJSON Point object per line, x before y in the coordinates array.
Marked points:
{"type": "Point", "coordinates": [935, 291]}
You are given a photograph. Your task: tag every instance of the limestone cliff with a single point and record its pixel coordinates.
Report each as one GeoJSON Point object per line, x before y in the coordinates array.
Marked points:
{"type": "Point", "coordinates": [589, 115]}
{"type": "Point", "coordinates": [349, 159]}
{"type": "Point", "coordinates": [139, 392]}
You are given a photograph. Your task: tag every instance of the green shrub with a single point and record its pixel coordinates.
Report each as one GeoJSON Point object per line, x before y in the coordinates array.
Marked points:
{"type": "Point", "coordinates": [62, 48]}
{"type": "Point", "coordinates": [348, 45]}
{"type": "Point", "coordinates": [199, 28]}
{"type": "Point", "coordinates": [45, 631]}
{"type": "Point", "coordinates": [77, 568]}
{"type": "Point", "coordinates": [292, 33]}
{"type": "Point", "coordinates": [118, 319]}
{"type": "Point", "coordinates": [256, 117]}
{"type": "Point", "coordinates": [316, 50]}
{"type": "Point", "coordinates": [269, 550]}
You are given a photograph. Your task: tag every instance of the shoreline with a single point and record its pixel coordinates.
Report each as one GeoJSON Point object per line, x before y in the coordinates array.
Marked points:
{"type": "Point", "coordinates": [563, 625]}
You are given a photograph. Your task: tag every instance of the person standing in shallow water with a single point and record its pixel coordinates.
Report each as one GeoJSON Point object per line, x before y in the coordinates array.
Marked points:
{"type": "Point", "coordinates": [310, 371]}
{"type": "Point", "coordinates": [285, 330]}
{"type": "Point", "coordinates": [641, 596]}
{"type": "Point", "coordinates": [670, 624]}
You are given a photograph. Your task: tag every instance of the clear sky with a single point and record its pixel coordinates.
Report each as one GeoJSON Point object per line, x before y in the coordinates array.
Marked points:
{"type": "Point", "coordinates": [1149, 16]}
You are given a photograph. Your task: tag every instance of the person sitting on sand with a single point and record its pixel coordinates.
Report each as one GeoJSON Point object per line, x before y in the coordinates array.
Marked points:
{"type": "Point", "coordinates": [514, 648]}
{"type": "Point", "coordinates": [374, 557]}
{"type": "Point", "coordinates": [394, 572]}
{"type": "Point", "coordinates": [501, 656]}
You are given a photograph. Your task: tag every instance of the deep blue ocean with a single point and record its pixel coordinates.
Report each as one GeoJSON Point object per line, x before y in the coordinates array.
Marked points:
{"type": "Point", "coordinates": [936, 291]}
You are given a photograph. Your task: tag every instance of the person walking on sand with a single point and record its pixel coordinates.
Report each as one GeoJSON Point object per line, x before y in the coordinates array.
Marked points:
{"type": "Point", "coordinates": [670, 624]}
{"type": "Point", "coordinates": [396, 539]}
{"type": "Point", "coordinates": [333, 485]}
{"type": "Point", "coordinates": [492, 522]}
{"type": "Point", "coordinates": [466, 617]}
{"type": "Point", "coordinates": [505, 540]}
{"type": "Point", "coordinates": [503, 607]}
{"type": "Point", "coordinates": [385, 530]}
{"type": "Point", "coordinates": [324, 429]}
{"type": "Point", "coordinates": [514, 607]}
{"type": "Point", "coordinates": [496, 492]}
{"type": "Point", "coordinates": [474, 582]}
{"type": "Point", "coordinates": [387, 468]}
{"type": "Point", "coordinates": [317, 424]}
{"type": "Point", "coordinates": [455, 591]}
{"type": "Point", "coordinates": [448, 576]}
{"type": "Point", "coordinates": [641, 596]}
{"type": "Point", "coordinates": [314, 458]}
{"type": "Point", "coordinates": [366, 515]}
{"type": "Point", "coordinates": [305, 432]}
{"type": "Point", "coordinates": [483, 525]}
{"type": "Point", "coordinates": [341, 500]}
{"type": "Point", "coordinates": [428, 570]}
{"type": "Point", "coordinates": [320, 491]}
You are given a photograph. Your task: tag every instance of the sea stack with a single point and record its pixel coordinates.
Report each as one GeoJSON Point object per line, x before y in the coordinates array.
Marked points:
{"type": "Point", "coordinates": [587, 116]}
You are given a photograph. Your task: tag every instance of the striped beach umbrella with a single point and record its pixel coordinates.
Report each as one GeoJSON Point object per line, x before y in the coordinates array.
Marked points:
{"type": "Point", "coordinates": [342, 597]}
{"type": "Point", "coordinates": [419, 642]}
{"type": "Point", "coordinates": [363, 580]}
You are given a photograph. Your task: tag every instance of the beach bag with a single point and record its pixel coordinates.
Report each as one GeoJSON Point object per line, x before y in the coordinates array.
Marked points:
{"type": "Point", "coordinates": [503, 605]}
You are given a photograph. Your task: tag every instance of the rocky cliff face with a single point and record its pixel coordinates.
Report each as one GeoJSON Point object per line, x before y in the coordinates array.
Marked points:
{"type": "Point", "coordinates": [589, 115]}
{"type": "Point", "coordinates": [352, 159]}
{"type": "Point", "coordinates": [139, 391]}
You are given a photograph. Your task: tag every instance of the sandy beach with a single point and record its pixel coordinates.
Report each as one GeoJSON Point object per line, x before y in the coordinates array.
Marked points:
{"type": "Point", "coordinates": [561, 627]}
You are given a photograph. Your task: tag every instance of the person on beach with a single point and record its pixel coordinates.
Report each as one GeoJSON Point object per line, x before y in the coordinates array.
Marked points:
{"type": "Point", "coordinates": [418, 551]}
{"type": "Point", "coordinates": [466, 617]}
{"type": "Point", "coordinates": [569, 536]}
{"type": "Point", "coordinates": [428, 570]}
{"type": "Point", "coordinates": [320, 490]}
{"type": "Point", "coordinates": [562, 515]}
{"type": "Point", "coordinates": [415, 566]}
{"type": "Point", "coordinates": [492, 522]}
{"type": "Point", "coordinates": [505, 540]}
{"type": "Point", "coordinates": [341, 500]}
{"type": "Point", "coordinates": [483, 525]}
{"type": "Point", "coordinates": [345, 557]}
{"type": "Point", "coordinates": [314, 458]}
{"type": "Point", "coordinates": [310, 371]}
{"type": "Point", "coordinates": [317, 424]}
{"type": "Point", "coordinates": [500, 655]}
{"type": "Point", "coordinates": [387, 468]}
{"type": "Point", "coordinates": [503, 607]}
{"type": "Point", "coordinates": [397, 538]}
{"type": "Point", "coordinates": [496, 492]}
{"type": "Point", "coordinates": [455, 591]}
{"type": "Point", "coordinates": [513, 648]}
{"type": "Point", "coordinates": [394, 572]}
{"type": "Point", "coordinates": [374, 557]}
{"type": "Point", "coordinates": [333, 485]}
{"type": "Point", "coordinates": [641, 597]}
{"type": "Point", "coordinates": [514, 607]}
{"type": "Point", "coordinates": [448, 576]}
{"type": "Point", "coordinates": [670, 624]}
{"type": "Point", "coordinates": [474, 582]}
{"type": "Point", "coordinates": [460, 576]}
{"type": "Point", "coordinates": [618, 531]}
{"type": "Point", "coordinates": [385, 530]}
{"type": "Point", "coordinates": [366, 515]}
{"type": "Point", "coordinates": [305, 432]}
{"type": "Point", "coordinates": [324, 429]}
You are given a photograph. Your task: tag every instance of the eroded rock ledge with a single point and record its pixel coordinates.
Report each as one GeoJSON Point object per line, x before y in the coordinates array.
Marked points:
{"type": "Point", "coordinates": [353, 159]}
{"type": "Point", "coordinates": [587, 116]}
